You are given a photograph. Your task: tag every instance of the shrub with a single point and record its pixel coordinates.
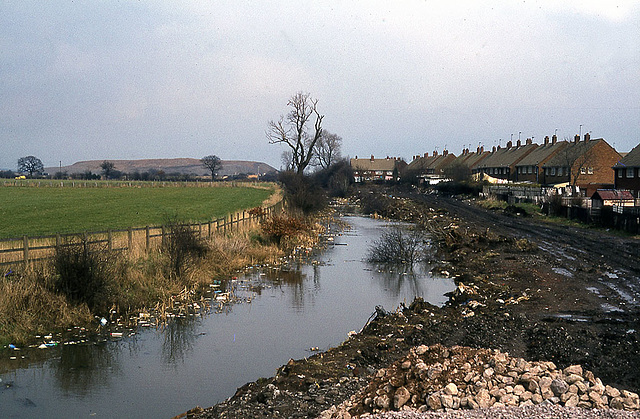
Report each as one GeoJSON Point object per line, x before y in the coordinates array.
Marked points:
{"type": "Point", "coordinates": [280, 226]}
{"type": "Point", "coordinates": [183, 246]}
{"type": "Point", "coordinates": [303, 192]}
{"type": "Point", "coordinates": [82, 273]}
{"type": "Point", "coordinates": [398, 246]}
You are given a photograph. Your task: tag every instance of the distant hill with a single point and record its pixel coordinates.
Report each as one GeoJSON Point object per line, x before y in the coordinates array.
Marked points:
{"type": "Point", "coordinates": [181, 165]}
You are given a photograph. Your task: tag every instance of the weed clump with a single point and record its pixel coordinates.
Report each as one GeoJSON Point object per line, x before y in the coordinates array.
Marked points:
{"type": "Point", "coordinates": [183, 247]}
{"type": "Point", "coordinates": [82, 273]}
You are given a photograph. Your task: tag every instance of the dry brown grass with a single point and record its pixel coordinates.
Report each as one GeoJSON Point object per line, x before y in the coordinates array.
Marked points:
{"type": "Point", "coordinates": [140, 281]}
{"type": "Point", "coordinates": [28, 307]}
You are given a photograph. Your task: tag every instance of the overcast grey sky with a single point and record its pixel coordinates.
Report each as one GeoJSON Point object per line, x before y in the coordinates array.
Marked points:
{"type": "Point", "coordinates": [82, 80]}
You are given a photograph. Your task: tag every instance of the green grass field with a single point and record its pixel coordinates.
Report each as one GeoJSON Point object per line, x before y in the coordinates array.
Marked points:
{"type": "Point", "coordinates": [37, 211]}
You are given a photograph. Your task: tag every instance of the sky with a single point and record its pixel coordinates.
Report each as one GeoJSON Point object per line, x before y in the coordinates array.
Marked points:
{"type": "Point", "coordinates": [108, 79]}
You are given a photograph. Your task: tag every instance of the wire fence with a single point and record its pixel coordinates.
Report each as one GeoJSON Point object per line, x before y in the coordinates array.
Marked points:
{"type": "Point", "coordinates": [25, 250]}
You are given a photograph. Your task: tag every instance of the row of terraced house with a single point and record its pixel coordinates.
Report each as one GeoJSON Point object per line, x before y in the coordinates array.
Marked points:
{"type": "Point", "coordinates": [585, 163]}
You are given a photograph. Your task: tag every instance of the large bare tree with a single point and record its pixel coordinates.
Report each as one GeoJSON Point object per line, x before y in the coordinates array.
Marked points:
{"type": "Point", "coordinates": [328, 149]}
{"type": "Point", "coordinates": [30, 165]}
{"type": "Point", "coordinates": [212, 163]}
{"type": "Point", "coordinates": [299, 130]}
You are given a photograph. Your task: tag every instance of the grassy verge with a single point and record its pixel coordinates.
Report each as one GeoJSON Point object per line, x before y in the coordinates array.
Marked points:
{"type": "Point", "coordinates": [81, 285]}
{"type": "Point", "coordinates": [35, 211]}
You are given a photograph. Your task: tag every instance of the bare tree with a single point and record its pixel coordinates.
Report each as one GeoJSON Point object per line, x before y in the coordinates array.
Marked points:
{"type": "Point", "coordinates": [287, 160]}
{"type": "Point", "coordinates": [295, 130]}
{"type": "Point", "coordinates": [578, 158]}
{"type": "Point", "coordinates": [31, 165]}
{"type": "Point", "coordinates": [212, 163]}
{"type": "Point", "coordinates": [108, 168]}
{"type": "Point", "coordinates": [328, 149]}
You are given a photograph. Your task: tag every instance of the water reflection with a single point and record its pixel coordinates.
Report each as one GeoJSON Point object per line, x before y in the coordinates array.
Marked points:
{"type": "Point", "coordinates": [80, 368]}
{"type": "Point", "coordinates": [179, 339]}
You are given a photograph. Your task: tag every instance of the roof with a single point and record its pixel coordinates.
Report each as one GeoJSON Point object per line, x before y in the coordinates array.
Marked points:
{"type": "Point", "coordinates": [632, 159]}
{"type": "Point", "coordinates": [572, 152]}
{"type": "Point", "coordinates": [505, 157]}
{"type": "Point", "coordinates": [431, 162]}
{"type": "Point", "coordinates": [612, 194]}
{"type": "Point", "coordinates": [542, 153]}
{"type": "Point", "coordinates": [374, 164]}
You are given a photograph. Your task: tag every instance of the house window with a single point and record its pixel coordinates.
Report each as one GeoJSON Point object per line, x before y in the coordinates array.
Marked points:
{"type": "Point", "coordinates": [560, 171]}
{"type": "Point", "coordinates": [619, 173]}
{"type": "Point", "coordinates": [553, 171]}
{"type": "Point", "coordinates": [590, 170]}
{"type": "Point", "coordinates": [583, 170]}
{"type": "Point", "coordinates": [629, 172]}
{"type": "Point", "coordinates": [530, 169]}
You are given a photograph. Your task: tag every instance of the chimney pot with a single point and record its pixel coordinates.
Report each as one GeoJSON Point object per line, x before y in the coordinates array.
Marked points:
{"type": "Point", "coordinates": [519, 143]}
{"type": "Point", "coordinates": [494, 149]}
{"type": "Point", "coordinates": [587, 137]}
{"type": "Point", "coordinates": [509, 144]}
{"type": "Point", "coordinates": [554, 139]}
{"type": "Point", "coordinates": [426, 155]}
{"type": "Point", "coordinates": [546, 139]}
{"type": "Point", "coordinates": [372, 159]}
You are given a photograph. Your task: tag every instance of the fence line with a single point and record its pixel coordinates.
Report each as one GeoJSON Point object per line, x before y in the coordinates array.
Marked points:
{"type": "Point", "coordinates": [31, 249]}
{"type": "Point", "coordinates": [81, 183]}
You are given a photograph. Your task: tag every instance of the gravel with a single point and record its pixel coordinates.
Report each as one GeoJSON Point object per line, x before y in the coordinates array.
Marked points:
{"type": "Point", "coordinates": [545, 410]}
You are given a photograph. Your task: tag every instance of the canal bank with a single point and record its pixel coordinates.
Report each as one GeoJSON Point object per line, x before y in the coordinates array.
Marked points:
{"type": "Point", "coordinates": [289, 311]}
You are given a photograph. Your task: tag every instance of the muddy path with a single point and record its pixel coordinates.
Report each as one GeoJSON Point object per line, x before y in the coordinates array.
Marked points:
{"type": "Point", "coordinates": [534, 290]}
{"type": "Point", "coordinates": [601, 271]}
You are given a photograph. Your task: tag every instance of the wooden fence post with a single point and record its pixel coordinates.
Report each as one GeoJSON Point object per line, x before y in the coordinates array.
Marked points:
{"type": "Point", "coordinates": [147, 239]}
{"type": "Point", "coordinates": [130, 237]}
{"type": "Point", "coordinates": [110, 240]}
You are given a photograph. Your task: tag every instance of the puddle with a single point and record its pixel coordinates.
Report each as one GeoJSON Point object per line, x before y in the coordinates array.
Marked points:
{"type": "Point", "coordinates": [563, 271]}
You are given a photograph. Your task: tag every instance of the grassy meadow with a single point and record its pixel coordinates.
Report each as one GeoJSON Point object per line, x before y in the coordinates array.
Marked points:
{"type": "Point", "coordinates": [36, 211]}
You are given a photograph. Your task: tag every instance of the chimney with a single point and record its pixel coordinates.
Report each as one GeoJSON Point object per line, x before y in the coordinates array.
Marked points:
{"type": "Point", "coordinates": [478, 150]}
{"type": "Point", "coordinates": [372, 159]}
{"type": "Point", "coordinates": [546, 139]}
{"type": "Point", "coordinates": [356, 157]}
{"type": "Point", "coordinates": [509, 144]}
{"type": "Point", "coordinates": [387, 157]}
{"type": "Point", "coordinates": [445, 152]}
{"type": "Point", "coordinates": [587, 137]}
{"type": "Point", "coordinates": [519, 143]}
{"type": "Point", "coordinates": [576, 139]}
{"type": "Point", "coordinates": [529, 141]}
{"type": "Point", "coordinates": [554, 139]}
{"type": "Point", "coordinates": [482, 149]}
{"type": "Point", "coordinates": [494, 149]}
{"type": "Point", "coordinates": [435, 153]}
{"type": "Point", "coordinates": [426, 155]}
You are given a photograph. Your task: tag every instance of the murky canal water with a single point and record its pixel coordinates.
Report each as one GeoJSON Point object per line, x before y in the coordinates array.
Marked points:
{"type": "Point", "coordinates": [202, 360]}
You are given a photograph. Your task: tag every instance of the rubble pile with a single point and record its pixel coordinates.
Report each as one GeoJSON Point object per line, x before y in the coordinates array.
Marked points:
{"type": "Point", "coordinates": [433, 378]}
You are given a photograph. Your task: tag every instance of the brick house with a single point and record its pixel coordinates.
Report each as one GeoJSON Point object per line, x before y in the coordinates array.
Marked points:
{"type": "Point", "coordinates": [586, 164]}
{"type": "Point", "coordinates": [501, 162]}
{"type": "Point", "coordinates": [377, 169]}
{"type": "Point", "coordinates": [529, 169]}
{"type": "Point", "coordinates": [627, 172]}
